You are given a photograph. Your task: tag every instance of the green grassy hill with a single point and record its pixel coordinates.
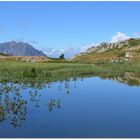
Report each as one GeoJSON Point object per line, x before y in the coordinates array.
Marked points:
{"type": "Point", "coordinates": [128, 50]}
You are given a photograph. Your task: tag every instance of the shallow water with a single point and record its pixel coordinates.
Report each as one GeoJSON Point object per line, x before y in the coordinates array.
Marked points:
{"type": "Point", "coordinates": [89, 107]}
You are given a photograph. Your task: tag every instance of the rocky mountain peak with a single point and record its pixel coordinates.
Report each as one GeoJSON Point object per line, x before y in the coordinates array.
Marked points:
{"type": "Point", "coordinates": [19, 49]}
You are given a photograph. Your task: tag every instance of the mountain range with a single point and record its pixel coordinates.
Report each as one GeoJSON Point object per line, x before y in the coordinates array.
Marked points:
{"type": "Point", "coordinates": [126, 50]}
{"type": "Point", "coordinates": [19, 49]}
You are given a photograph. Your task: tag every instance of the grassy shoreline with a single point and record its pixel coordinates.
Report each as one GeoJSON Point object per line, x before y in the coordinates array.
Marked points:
{"type": "Point", "coordinates": [15, 71]}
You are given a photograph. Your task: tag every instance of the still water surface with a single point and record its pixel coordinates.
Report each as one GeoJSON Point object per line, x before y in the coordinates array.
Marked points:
{"type": "Point", "coordinates": [89, 107]}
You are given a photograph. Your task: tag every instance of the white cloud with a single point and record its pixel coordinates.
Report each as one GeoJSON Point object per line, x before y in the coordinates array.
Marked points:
{"type": "Point", "coordinates": [51, 52]}
{"type": "Point", "coordinates": [84, 48]}
{"type": "Point", "coordinates": [137, 35]}
{"type": "Point", "coordinates": [119, 36]}
{"type": "Point", "coordinates": [68, 52]}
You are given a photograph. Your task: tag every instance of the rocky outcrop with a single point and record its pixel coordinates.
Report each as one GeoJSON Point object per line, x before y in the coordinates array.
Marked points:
{"type": "Point", "coordinates": [128, 55]}
{"type": "Point", "coordinates": [127, 50]}
{"type": "Point", "coordinates": [103, 47]}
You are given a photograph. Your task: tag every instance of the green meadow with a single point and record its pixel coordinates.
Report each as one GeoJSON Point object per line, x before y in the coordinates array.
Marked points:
{"type": "Point", "coordinates": [15, 71]}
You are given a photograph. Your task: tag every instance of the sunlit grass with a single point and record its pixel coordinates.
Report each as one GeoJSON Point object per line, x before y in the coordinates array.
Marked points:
{"type": "Point", "coordinates": [20, 71]}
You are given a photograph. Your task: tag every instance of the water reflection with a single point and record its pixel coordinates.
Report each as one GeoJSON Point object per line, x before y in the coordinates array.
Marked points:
{"type": "Point", "coordinates": [54, 104]}
{"type": "Point", "coordinates": [128, 78]}
{"type": "Point", "coordinates": [13, 106]}
{"type": "Point", "coordinates": [35, 98]}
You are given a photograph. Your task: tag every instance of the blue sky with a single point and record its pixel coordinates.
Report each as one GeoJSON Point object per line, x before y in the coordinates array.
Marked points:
{"type": "Point", "coordinates": [67, 26]}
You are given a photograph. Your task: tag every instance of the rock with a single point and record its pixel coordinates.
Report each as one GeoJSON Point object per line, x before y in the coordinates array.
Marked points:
{"type": "Point", "coordinates": [128, 55]}
{"type": "Point", "coordinates": [116, 61]}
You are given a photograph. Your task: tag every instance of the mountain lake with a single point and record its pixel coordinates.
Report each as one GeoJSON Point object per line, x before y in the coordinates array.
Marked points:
{"type": "Point", "coordinates": [76, 108]}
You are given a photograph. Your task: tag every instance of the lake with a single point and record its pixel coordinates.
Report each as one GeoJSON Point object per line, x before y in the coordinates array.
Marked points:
{"type": "Point", "coordinates": [82, 107]}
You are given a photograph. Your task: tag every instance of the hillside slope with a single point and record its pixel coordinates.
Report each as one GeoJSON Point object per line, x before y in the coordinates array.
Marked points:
{"type": "Point", "coordinates": [128, 50]}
